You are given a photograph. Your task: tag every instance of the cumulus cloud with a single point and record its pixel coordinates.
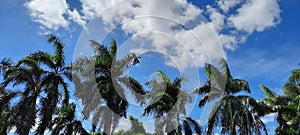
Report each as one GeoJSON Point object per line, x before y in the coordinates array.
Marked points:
{"type": "Point", "coordinates": [52, 15]}
{"type": "Point", "coordinates": [165, 29]}
{"type": "Point", "coordinates": [174, 27]}
{"type": "Point", "coordinates": [45, 13]}
{"type": "Point", "coordinates": [256, 15]}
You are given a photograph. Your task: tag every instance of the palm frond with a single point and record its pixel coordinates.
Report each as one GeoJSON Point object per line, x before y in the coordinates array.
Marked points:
{"type": "Point", "coordinates": [135, 87]}
{"type": "Point", "coordinates": [48, 107]}
{"type": "Point", "coordinates": [100, 49]}
{"type": "Point", "coordinates": [122, 65]}
{"type": "Point", "coordinates": [44, 58]}
{"type": "Point", "coordinates": [58, 56]}
{"type": "Point", "coordinates": [5, 63]}
{"type": "Point", "coordinates": [113, 48]}
{"type": "Point", "coordinates": [225, 68]}
{"type": "Point", "coordinates": [269, 93]}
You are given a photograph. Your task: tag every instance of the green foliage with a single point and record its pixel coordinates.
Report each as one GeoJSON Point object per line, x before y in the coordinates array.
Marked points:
{"type": "Point", "coordinates": [42, 77]}
{"type": "Point", "coordinates": [286, 106]}
{"type": "Point", "coordinates": [97, 133]}
{"type": "Point", "coordinates": [135, 129]}
{"type": "Point", "coordinates": [230, 112]}
{"type": "Point", "coordinates": [167, 104]}
{"type": "Point", "coordinates": [110, 81]}
{"type": "Point", "coordinates": [66, 123]}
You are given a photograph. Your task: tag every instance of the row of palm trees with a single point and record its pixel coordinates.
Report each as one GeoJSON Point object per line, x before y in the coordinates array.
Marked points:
{"type": "Point", "coordinates": [43, 102]}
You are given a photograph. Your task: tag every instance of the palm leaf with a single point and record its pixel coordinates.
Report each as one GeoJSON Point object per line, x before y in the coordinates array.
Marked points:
{"type": "Point", "coordinates": [58, 55]}
{"type": "Point", "coordinates": [269, 93]}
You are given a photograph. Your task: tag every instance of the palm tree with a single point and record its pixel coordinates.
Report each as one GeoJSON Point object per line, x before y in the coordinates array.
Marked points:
{"type": "Point", "coordinates": [53, 83]}
{"type": "Point", "coordinates": [286, 106]}
{"type": "Point", "coordinates": [42, 83]}
{"type": "Point", "coordinates": [108, 72]}
{"type": "Point", "coordinates": [65, 121]}
{"type": "Point", "coordinates": [292, 91]}
{"type": "Point", "coordinates": [233, 113]}
{"type": "Point", "coordinates": [167, 104]}
{"type": "Point", "coordinates": [27, 73]}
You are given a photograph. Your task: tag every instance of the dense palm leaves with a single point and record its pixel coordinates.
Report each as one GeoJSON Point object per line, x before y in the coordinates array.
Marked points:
{"type": "Point", "coordinates": [292, 91]}
{"type": "Point", "coordinates": [42, 76]}
{"type": "Point", "coordinates": [42, 93]}
{"type": "Point", "coordinates": [5, 110]}
{"type": "Point", "coordinates": [5, 98]}
{"type": "Point", "coordinates": [108, 82]}
{"type": "Point", "coordinates": [66, 123]}
{"type": "Point", "coordinates": [28, 73]}
{"type": "Point", "coordinates": [286, 106]}
{"type": "Point", "coordinates": [233, 113]}
{"type": "Point", "coordinates": [167, 104]}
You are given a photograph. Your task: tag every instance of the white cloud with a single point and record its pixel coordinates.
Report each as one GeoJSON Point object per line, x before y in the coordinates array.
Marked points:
{"type": "Point", "coordinates": [92, 8]}
{"type": "Point", "coordinates": [159, 24]}
{"type": "Point", "coordinates": [45, 13]}
{"type": "Point", "coordinates": [217, 19]}
{"type": "Point", "coordinates": [124, 124]}
{"type": "Point", "coordinates": [225, 5]}
{"type": "Point", "coordinates": [256, 15]}
{"type": "Point", "coordinates": [74, 15]}
{"type": "Point", "coordinates": [53, 15]}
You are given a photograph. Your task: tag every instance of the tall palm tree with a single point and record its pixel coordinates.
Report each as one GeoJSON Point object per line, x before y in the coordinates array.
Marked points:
{"type": "Point", "coordinates": [41, 83]}
{"type": "Point", "coordinates": [65, 121]}
{"type": "Point", "coordinates": [54, 84]}
{"type": "Point", "coordinates": [26, 72]}
{"type": "Point", "coordinates": [168, 102]}
{"type": "Point", "coordinates": [233, 113]}
{"type": "Point", "coordinates": [108, 72]}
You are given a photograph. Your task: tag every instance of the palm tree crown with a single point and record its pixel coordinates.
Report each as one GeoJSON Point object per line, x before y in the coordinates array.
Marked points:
{"type": "Point", "coordinates": [233, 113]}
{"type": "Point", "coordinates": [111, 102]}
{"type": "Point", "coordinates": [42, 76]}
{"type": "Point", "coordinates": [167, 103]}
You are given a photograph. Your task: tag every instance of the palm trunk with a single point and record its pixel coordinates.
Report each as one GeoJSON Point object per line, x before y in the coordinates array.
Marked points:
{"type": "Point", "coordinates": [107, 123]}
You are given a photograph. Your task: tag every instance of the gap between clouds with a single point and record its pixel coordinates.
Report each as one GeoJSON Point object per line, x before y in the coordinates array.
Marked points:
{"type": "Point", "coordinates": [185, 29]}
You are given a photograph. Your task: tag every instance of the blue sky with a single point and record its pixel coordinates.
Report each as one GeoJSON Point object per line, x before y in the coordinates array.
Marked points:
{"type": "Point", "coordinates": [259, 38]}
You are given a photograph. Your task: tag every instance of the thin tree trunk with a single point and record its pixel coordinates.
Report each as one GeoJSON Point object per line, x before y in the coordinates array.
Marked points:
{"type": "Point", "coordinates": [107, 123]}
